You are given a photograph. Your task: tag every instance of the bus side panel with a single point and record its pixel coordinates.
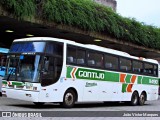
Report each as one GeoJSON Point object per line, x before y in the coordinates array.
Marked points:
{"type": "Point", "coordinates": [55, 92]}
{"type": "Point", "coordinates": [151, 90]}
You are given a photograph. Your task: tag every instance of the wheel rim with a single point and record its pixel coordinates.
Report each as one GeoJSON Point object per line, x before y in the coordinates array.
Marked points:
{"type": "Point", "coordinates": [142, 98]}
{"type": "Point", "coordinates": [135, 99]}
{"type": "Point", "coordinates": [69, 99]}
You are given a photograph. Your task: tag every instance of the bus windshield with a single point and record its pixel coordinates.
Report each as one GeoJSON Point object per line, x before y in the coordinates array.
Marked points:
{"type": "Point", "coordinates": [22, 68]}
{"type": "Point", "coordinates": [39, 62]}
{"type": "Point", "coordinates": [23, 47]}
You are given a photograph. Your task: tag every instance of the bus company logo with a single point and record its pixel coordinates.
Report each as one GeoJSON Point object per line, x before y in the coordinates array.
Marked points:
{"type": "Point", "coordinates": [90, 84]}
{"type": "Point", "coordinates": [81, 73]}
{"type": "Point", "coordinates": [73, 73]}
{"type": "Point", "coordinates": [92, 75]}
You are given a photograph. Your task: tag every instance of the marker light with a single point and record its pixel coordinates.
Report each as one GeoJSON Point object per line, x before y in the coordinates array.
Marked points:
{"type": "Point", "coordinates": [97, 40]}
{"type": "Point", "coordinates": [9, 31]}
{"type": "Point", "coordinates": [29, 35]}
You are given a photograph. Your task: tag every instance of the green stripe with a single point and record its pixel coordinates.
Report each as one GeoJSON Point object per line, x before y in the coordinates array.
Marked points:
{"type": "Point", "coordinates": [128, 78]}
{"type": "Point", "coordinates": [113, 77]}
{"type": "Point", "coordinates": [18, 83]}
{"type": "Point", "coordinates": [69, 69]}
{"type": "Point", "coordinates": [124, 87]}
{"type": "Point", "coordinates": [101, 75]}
{"type": "Point", "coordinates": [139, 79]}
{"type": "Point", "coordinates": [151, 81]}
{"type": "Point", "coordinates": [4, 82]}
{"type": "Point", "coordinates": [14, 83]}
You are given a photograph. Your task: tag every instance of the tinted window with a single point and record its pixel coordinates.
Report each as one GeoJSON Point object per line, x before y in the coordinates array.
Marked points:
{"type": "Point", "coordinates": [148, 68]}
{"type": "Point", "coordinates": [155, 71]}
{"type": "Point", "coordinates": [95, 59]}
{"type": "Point", "coordinates": [27, 47]}
{"type": "Point", "coordinates": [52, 68]}
{"type": "Point", "coordinates": [137, 66]}
{"type": "Point", "coordinates": [81, 54]}
{"type": "Point", "coordinates": [71, 55]}
{"type": "Point", "coordinates": [54, 48]}
{"type": "Point", "coordinates": [125, 64]}
{"type": "Point", "coordinates": [111, 62]}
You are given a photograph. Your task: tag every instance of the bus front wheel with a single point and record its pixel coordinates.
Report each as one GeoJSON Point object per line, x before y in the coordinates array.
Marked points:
{"type": "Point", "coordinates": [69, 99]}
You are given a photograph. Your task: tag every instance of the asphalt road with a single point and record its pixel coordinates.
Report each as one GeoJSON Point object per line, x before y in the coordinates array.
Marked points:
{"type": "Point", "coordinates": [81, 110]}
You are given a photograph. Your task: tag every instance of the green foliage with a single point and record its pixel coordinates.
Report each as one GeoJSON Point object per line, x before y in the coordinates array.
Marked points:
{"type": "Point", "coordinates": [88, 16]}
{"type": "Point", "coordinates": [19, 8]}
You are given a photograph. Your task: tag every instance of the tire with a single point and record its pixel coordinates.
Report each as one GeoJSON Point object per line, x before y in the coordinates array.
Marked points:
{"type": "Point", "coordinates": [38, 103]}
{"type": "Point", "coordinates": [69, 99]}
{"type": "Point", "coordinates": [134, 99]}
{"type": "Point", "coordinates": [142, 98]}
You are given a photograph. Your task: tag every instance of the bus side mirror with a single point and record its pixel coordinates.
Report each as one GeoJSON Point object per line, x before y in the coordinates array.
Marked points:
{"type": "Point", "coordinates": [46, 65]}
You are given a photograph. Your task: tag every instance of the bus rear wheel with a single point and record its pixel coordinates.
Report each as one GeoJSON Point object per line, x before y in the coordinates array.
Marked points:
{"type": "Point", "coordinates": [38, 103]}
{"type": "Point", "coordinates": [134, 99]}
{"type": "Point", "coordinates": [69, 99]}
{"type": "Point", "coordinates": [142, 98]}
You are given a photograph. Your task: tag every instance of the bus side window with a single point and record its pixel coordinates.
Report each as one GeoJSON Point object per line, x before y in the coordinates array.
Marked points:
{"type": "Point", "coordinates": [125, 64]}
{"type": "Point", "coordinates": [71, 55]}
{"type": "Point", "coordinates": [148, 68]}
{"type": "Point", "coordinates": [91, 62]}
{"type": "Point", "coordinates": [70, 59]}
{"type": "Point", "coordinates": [95, 59]}
{"type": "Point", "coordinates": [155, 70]}
{"type": "Point", "coordinates": [111, 62]}
{"type": "Point", "coordinates": [108, 65]}
{"type": "Point", "coordinates": [81, 55]}
{"type": "Point", "coordinates": [137, 66]}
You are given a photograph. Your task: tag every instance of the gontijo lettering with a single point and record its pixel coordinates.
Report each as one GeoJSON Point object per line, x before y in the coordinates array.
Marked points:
{"type": "Point", "coordinates": [87, 74]}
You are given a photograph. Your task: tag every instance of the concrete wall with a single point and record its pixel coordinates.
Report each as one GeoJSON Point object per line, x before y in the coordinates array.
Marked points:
{"type": "Point", "coordinates": [110, 3]}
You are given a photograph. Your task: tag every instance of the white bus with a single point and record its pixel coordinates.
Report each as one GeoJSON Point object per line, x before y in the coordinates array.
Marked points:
{"type": "Point", "coordinates": [3, 56]}
{"type": "Point", "coordinates": [65, 72]}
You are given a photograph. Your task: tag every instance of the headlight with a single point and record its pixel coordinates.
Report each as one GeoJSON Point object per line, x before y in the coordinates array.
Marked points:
{"type": "Point", "coordinates": [29, 86]}
{"type": "Point", "coordinates": [4, 85]}
{"type": "Point", "coordinates": [35, 88]}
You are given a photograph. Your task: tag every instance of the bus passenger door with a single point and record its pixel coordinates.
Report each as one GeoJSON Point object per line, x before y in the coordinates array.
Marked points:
{"type": "Point", "coordinates": [49, 75]}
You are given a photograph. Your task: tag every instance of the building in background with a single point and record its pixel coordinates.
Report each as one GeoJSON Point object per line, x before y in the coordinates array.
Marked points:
{"type": "Point", "coordinates": [109, 3]}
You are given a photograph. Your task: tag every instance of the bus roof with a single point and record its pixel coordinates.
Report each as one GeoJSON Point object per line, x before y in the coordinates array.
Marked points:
{"type": "Point", "coordinates": [4, 50]}
{"type": "Point", "coordinates": [89, 46]}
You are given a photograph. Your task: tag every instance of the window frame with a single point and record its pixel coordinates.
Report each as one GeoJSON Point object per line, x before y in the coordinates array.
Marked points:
{"type": "Point", "coordinates": [112, 55]}
{"type": "Point", "coordinates": [96, 52]}
{"type": "Point", "coordinates": [127, 71]}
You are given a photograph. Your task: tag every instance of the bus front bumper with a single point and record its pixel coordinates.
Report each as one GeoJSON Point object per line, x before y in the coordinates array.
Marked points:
{"type": "Point", "coordinates": [25, 95]}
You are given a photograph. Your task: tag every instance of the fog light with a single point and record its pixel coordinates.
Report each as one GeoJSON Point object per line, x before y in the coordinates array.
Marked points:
{"type": "Point", "coordinates": [4, 85]}
{"type": "Point", "coordinates": [35, 88]}
{"type": "Point", "coordinates": [3, 92]}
